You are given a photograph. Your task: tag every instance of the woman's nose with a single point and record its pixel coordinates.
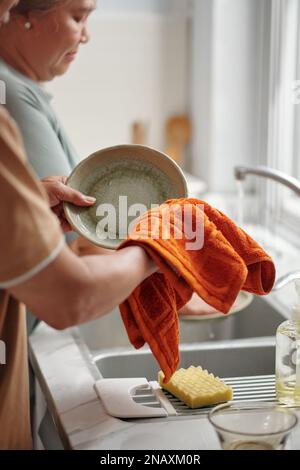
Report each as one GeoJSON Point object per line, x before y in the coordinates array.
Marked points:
{"type": "Point", "coordinates": [85, 36]}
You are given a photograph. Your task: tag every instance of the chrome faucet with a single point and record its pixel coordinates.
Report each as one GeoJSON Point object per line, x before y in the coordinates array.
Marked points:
{"type": "Point", "coordinates": [240, 173]}
{"type": "Point", "coordinates": [286, 279]}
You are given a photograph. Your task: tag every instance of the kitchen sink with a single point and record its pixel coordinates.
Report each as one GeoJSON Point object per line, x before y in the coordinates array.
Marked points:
{"type": "Point", "coordinates": [259, 319]}
{"type": "Point", "coordinates": [233, 358]}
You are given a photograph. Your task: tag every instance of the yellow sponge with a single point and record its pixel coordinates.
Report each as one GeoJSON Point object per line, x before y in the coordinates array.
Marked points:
{"type": "Point", "coordinates": [196, 387]}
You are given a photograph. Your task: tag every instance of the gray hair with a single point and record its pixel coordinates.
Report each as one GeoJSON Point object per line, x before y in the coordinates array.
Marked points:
{"type": "Point", "coordinates": [27, 6]}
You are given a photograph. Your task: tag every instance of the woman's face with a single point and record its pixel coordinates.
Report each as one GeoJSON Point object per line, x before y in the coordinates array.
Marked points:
{"type": "Point", "coordinates": [5, 7]}
{"type": "Point", "coordinates": [54, 38]}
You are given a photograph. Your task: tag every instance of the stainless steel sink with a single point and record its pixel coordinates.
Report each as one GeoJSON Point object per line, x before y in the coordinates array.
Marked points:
{"type": "Point", "coordinates": [234, 358]}
{"type": "Point", "coordinates": [257, 320]}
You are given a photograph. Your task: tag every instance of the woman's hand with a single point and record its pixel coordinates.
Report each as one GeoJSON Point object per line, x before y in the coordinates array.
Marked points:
{"type": "Point", "coordinates": [58, 192]}
{"type": "Point", "coordinates": [196, 306]}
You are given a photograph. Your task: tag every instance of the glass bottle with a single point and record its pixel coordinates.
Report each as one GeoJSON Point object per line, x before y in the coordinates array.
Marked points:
{"type": "Point", "coordinates": [288, 357]}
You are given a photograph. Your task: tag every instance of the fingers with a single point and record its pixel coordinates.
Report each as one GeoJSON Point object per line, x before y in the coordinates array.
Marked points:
{"type": "Point", "coordinates": [59, 212]}
{"type": "Point", "coordinates": [65, 226]}
{"type": "Point", "coordinates": [63, 179]}
{"type": "Point", "coordinates": [68, 194]}
{"type": "Point", "coordinates": [54, 179]}
{"type": "Point", "coordinates": [58, 192]}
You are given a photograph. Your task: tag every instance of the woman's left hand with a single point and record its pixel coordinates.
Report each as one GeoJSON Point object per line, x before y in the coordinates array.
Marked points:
{"type": "Point", "coordinates": [58, 192]}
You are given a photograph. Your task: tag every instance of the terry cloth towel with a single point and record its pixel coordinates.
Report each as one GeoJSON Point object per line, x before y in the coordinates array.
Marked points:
{"type": "Point", "coordinates": [228, 261]}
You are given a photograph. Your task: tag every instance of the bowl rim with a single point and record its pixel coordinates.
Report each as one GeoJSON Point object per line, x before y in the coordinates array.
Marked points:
{"type": "Point", "coordinates": [248, 299]}
{"type": "Point", "coordinates": [256, 405]}
{"type": "Point", "coordinates": [67, 205]}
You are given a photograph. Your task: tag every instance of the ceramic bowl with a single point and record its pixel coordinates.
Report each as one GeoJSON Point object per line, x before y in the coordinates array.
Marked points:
{"type": "Point", "coordinates": [126, 181]}
{"type": "Point", "coordinates": [243, 301]}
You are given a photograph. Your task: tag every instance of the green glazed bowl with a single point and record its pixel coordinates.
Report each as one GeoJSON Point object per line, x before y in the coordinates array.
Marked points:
{"type": "Point", "coordinates": [126, 181]}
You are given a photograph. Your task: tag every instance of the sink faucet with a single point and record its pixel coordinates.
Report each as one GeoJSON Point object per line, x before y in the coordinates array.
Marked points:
{"type": "Point", "coordinates": [286, 279]}
{"type": "Point", "coordinates": [240, 173]}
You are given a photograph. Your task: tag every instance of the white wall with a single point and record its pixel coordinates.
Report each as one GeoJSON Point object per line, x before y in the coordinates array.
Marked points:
{"type": "Point", "coordinates": [134, 68]}
{"type": "Point", "coordinates": [225, 88]}
{"type": "Point", "coordinates": [137, 67]}
{"type": "Point", "coordinates": [133, 6]}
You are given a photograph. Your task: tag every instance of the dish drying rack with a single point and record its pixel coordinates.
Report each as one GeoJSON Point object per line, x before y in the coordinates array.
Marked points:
{"type": "Point", "coordinates": [139, 398]}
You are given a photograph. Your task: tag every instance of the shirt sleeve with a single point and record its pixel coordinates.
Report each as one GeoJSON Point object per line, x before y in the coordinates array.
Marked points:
{"type": "Point", "coordinates": [48, 151]}
{"type": "Point", "coordinates": [30, 234]}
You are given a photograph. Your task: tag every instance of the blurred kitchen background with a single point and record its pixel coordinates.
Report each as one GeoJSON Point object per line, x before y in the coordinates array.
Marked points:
{"type": "Point", "coordinates": [211, 82]}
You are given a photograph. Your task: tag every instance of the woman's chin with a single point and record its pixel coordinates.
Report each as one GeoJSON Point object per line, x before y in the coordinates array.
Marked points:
{"type": "Point", "coordinates": [61, 69]}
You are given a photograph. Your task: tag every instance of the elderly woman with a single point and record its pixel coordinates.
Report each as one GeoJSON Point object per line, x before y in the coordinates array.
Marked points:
{"type": "Point", "coordinates": [35, 262]}
{"type": "Point", "coordinates": [39, 43]}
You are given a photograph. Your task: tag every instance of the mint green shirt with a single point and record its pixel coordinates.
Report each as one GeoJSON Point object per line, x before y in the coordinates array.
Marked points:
{"type": "Point", "coordinates": [48, 148]}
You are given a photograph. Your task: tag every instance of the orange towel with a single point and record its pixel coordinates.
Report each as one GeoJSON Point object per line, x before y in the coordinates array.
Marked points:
{"type": "Point", "coordinates": [228, 261]}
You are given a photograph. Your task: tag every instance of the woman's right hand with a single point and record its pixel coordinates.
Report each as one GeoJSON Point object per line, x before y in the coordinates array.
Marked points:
{"type": "Point", "coordinates": [58, 192]}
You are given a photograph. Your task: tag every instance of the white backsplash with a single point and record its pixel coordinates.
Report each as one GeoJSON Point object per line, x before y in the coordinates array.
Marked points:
{"type": "Point", "coordinates": [134, 68]}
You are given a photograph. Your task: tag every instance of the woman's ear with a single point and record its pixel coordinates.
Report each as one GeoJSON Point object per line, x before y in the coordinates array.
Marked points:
{"type": "Point", "coordinates": [22, 22]}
